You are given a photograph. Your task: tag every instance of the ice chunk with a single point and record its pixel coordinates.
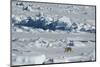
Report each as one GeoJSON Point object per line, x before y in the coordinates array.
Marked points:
{"type": "Point", "coordinates": [41, 43]}
{"type": "Point", "coordinates": [37, 59]}
{"type": "Point", "coordinates": [64, 19]}
{"type": "Point", "coordinates": [19, 30]}
{"type": "Point", "coordinates": [79, 44]}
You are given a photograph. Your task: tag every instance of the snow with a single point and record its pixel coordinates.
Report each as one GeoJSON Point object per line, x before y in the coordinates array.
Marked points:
{"type": "Point", "coordinates": [61, 60]}
{"type": "Point", "coordinates": [41, 32]}
{"type": "Point", "coordinates": [77, 44]}
{"type": "Point", "coordinates": [19, 30]}
{"type": "Point", "coordinates": [65, 20]}
{"type": "Point", "coordinates": [39, 59]}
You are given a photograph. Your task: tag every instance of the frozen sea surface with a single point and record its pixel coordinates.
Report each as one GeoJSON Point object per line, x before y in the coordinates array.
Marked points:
{"type": "Point", "coordinates": [52, 46]}
{"type": "Point", "coordinates": [45, 39]}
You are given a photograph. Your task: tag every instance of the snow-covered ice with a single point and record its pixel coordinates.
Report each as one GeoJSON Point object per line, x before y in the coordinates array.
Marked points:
{"type": "Point", "coordinates": [52, 33]}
